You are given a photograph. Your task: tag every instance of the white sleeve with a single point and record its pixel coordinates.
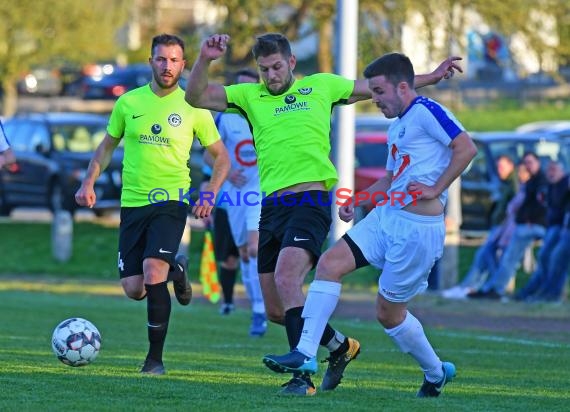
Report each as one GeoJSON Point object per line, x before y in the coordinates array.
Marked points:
{"type": "Point", "coordinates": [4, 144]}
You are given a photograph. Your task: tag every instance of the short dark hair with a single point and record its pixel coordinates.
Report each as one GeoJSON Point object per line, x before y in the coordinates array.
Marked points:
{"type": "Point", "coordinates": [529, 153]}
{"type": "Point", "coordinates": [506, 157]}
{"type": "Point", "coordinates": [271, 43]}
{"type": "Point", "coordinates": [167, 40]}
{"type": "Point", "coordinates": [396, 67]}
{"type": "Point", "coordinates": [246, 71]}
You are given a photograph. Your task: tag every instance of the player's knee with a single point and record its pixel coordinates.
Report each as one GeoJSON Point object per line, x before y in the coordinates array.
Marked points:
{"type": "Point", "coordinates": [284, 282]}
{"type": "Point", "coordinates": [327, 269]}
{"type": "Point", "coordinates": [275, 316]}
{"type": "Point", "coordinates": [133, 291]}
{"type": "Point", "coordinates": [252, 251]}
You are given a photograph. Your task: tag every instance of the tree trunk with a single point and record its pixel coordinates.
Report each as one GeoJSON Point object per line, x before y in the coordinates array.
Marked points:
{"type": "Point", "coordinates": [10, 101]}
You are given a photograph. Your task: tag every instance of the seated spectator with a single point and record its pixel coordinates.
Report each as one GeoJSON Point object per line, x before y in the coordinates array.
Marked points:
{"type": "Point", "coordinates": [547, 282]}
{"type": "Point", "coordinates": [530, 222]}
{"type": "Point", "coordinates": [486, 258]}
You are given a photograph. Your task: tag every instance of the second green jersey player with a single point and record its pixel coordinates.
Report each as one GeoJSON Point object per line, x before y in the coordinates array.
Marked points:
{"type": "Point", "coordinates": [290, 119]}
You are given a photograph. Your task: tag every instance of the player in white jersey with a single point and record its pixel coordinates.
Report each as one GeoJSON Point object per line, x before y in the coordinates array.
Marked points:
{"type": "Point", "coordinates": [404, 234]}
{"type": "Point", "coordinates": [6, 155]}
{"type": "Point", "coordinates": [242, 200]}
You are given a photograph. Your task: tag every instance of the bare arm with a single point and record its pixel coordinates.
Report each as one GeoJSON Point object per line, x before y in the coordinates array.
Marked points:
{"type": "Point", "coordinates": [85, 195]}
{"type": "Point", "coordinates": [445, 70]}
{"type": "Point", "coordinates": [220, 169]}
{"type": "Point", "coordinates": [7, 158]}
{"type": "Point", "coordinates": [364, 198]}
{"type": "Point", "coordinates": [463, 150]}
{"type": "Point", "coordinates": [200, 93]}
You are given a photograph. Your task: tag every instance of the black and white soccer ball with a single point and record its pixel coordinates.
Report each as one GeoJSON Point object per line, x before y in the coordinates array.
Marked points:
{"type": "Point", "coordinates": [76, 342]}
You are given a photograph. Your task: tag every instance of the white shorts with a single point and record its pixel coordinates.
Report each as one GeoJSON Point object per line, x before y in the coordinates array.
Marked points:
{"type": "Point", "coordinates": [404, 245]}
{"type": "Point", "coordinates": [243, 219]}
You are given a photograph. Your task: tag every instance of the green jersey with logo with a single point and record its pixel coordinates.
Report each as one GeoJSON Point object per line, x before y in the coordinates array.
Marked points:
{"type": "Point", "coordinates": [157, 133]}
{"type": "Point", "coordinates": [291, 131]}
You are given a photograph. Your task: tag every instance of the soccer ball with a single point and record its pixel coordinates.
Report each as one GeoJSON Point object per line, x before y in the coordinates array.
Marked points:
{"type": "Point", "coordinates": [76, 342]}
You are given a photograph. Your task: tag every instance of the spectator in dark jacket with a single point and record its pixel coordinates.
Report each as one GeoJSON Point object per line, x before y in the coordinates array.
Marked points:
{"type": "Point", "coordinates": [552, 288]}
{"type": "Point", "coordinates": [486, 259]}
{"type": "Point", "coordinates": [530, 225]}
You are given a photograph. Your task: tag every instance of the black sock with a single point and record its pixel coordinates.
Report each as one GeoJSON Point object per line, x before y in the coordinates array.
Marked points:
{"type": "Point", "coordinates": [158, 313]}
{"type": "Point", "coordinates": [343, 348]}
{"type": "Point", "coordinates": [294, 326]}
{"type": "Point", "coordinates": [228, 281]}
{"type": "Point", "coordinates": [174, 273]}
{"type": "Point", "coordinates": [328, 334]}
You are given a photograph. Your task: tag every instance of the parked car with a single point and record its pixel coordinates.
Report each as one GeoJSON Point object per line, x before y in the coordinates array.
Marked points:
{"type": "Point", "coordinates": [41, 81]}
{"type": "Point", "coordinates": [480, 181]}
{"type": "Point", "coordinates": [370, 149]}
{"type": "Point", "coordinates": [118, 82]}
{"type": "Point", "coordinates": [560, 128]}
{"type": "Point", "coordinates": [53, 151]}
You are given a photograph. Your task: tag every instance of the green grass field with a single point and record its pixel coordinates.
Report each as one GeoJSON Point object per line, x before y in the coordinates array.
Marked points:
{"type": "Point", "coordinates": [213, 365]}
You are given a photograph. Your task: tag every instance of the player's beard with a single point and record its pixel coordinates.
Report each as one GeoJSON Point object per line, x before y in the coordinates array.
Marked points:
{"type": "Point", "coordinates": [286, 86]}
{"type": "Point", "coordinates": [172, 81]}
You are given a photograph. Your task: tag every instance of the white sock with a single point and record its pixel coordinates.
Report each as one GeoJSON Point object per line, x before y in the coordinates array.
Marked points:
{"type": "Point", "coordinates": [409, 336]}
{"type": "Point", "coordinates": [321, 302]}
{"type": "Point", "coordinates": [256, 296]}
{"type": "Point", "coordinates": [244, 268]}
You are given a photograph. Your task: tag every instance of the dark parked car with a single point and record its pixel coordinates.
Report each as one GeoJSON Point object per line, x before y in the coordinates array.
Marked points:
{"type": "Point", "coordinates": [480, 181]}
{"type": "Point", "coordinates": [53, 151]}
{"type": "Point", "coordinates": [120, 81]}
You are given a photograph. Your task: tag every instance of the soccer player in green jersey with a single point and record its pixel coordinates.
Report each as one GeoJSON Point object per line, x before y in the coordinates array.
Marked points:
{"type": "Point", "coordinates": [157, 128]}
{"type": "Point", "coordinates": [290, 119]}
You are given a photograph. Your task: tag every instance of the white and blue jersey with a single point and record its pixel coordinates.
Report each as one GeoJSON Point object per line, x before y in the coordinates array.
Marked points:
{"type": "Point", "coordinates": [236, 135]}
{"type": "Point", "coordinates": [418, 147]}
{"type": "Point", "coordinates": [242, 203]}
{"type": "Point", "coordinates": [4, 143]}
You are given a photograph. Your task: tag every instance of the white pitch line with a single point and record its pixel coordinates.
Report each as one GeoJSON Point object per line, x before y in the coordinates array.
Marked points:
{"type": "Point", "coordinates": [501, 339]}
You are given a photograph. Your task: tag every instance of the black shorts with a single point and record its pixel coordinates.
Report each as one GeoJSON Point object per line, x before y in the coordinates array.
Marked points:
{"type": "Point", "coordinates": [224, 245]}
{"type": "Point", "coordinates": [149, 231]}
{"type": "Point", "coordinates": [300, 220]}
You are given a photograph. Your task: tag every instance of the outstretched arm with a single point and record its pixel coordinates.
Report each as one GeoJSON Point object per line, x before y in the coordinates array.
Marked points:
{"type": "Point", "coordinates": [445, 70]}
{"type": "Point", "coordinates": [200, 93]}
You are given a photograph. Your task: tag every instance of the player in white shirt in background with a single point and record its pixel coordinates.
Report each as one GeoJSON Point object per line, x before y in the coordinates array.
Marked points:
{"type": "Point", "coordinates": [242, 198]}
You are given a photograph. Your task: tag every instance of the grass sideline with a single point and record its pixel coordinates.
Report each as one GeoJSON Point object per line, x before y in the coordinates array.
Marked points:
{"type": "Point", "coordinates": [94, 256]}
{"type": "Point", "coordinates": [212, 364]}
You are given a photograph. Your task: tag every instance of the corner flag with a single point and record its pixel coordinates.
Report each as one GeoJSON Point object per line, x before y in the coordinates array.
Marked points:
{"type": "Point", "coordinates": [208, 270]}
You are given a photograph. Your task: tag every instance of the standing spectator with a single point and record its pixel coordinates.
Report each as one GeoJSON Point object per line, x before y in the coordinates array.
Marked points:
{"type": "Point", "coordinates": [530, 223]}
{"type": "Point", "coordinates": [290, 119]}
{"type": "Point", "coordinates": [157, 127]}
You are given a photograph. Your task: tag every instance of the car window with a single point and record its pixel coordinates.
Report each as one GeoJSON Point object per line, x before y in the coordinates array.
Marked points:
{"type": "Point", "coordinates": [477, 170]}
{"type": "Point", "coordinates": [370, 154]}
{"type": "Point", "coordinates": [545, 150]}
{"type": "Point", "coordinates": [77, 138]}
{"type": "Point", "coordinates": [26, 136]}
